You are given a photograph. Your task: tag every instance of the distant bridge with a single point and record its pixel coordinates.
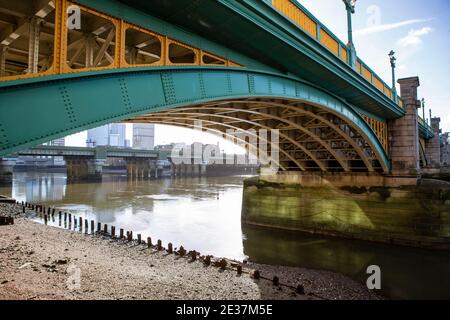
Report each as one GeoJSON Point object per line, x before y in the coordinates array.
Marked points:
{"type": "Point", "coordinates": [97, 153]}
{"type": "Point", "coordinates": [87, 163]}
{"type": "Point", "coordinates": [239, 64]}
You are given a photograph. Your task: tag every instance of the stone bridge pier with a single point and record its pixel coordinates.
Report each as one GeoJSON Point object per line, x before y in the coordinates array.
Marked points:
{"type": "Point", "coordinates": [404, 132]}
{"type": "Point", "coordinates": [404, 138]}
{"type": "Point", "coordinates": [141, 168]}
{"type": "Point", "coordinates": [396, 207]}
{"type": "Point", "coordinates": [433, 146]}
{"type": "Point", "coordinates": [81, 169]}
{"type": "Point", "coordinates": [188, 170]}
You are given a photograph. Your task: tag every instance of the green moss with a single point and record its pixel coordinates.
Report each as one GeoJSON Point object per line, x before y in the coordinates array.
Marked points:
{"type": "Point", "coordinates": [384, 212]}
{"type": "Point", "coordinates": [383, 192]}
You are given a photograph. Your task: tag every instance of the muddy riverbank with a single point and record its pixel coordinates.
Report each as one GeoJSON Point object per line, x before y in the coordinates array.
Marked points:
{"type": "Point", "coordinates": [41, 262]}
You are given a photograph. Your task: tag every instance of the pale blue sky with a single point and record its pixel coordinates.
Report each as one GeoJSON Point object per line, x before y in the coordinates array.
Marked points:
{"type": "Point", "coordinates": [419, 31]}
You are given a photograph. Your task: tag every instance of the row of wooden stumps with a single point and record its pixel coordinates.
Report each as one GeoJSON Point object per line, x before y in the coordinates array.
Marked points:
{"type": "Point", "coordinates": [71, 220]}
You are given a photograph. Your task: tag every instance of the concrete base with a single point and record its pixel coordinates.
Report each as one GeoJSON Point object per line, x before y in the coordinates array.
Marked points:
{"type": "Point", "coordinates": [414, 215]}
{"type": "Point", "coordinates": [318, 179]}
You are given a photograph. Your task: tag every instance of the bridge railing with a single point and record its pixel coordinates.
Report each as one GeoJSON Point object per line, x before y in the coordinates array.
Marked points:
{"type": "Point", "coordinates": [309, 24]}
{"type": "Point", "coordinates": [45, 44]}
{"type": "Point", "coordinates": [424, 127]}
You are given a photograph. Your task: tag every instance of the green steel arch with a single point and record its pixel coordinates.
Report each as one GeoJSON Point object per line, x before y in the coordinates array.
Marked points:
{"type": "Point", "coordinates": [35, 111]}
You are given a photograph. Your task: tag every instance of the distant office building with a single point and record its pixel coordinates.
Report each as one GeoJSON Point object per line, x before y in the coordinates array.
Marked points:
{"type": "Point", "coordinates": [55, 161]}
{"type": "Point", "coordinates": [214, 149]}
{"type": "Point", "coordinates": [143, 136]}
{"type": "Point", "coordinates": [112, 135]}
{"type": "Point", "coordinates": [166, 147]}
{"type": "Point", "coordinates": [61, 142]}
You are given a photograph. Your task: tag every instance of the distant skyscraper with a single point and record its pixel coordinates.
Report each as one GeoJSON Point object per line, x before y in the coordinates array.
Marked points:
{"type": "Point", "coordinates": [143, 136]}
{"type": "Point", "coordinates": [110, 135]}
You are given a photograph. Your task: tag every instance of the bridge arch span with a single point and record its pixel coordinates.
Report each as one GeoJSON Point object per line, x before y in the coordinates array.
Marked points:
{"type": "Point", "coordinates": [317, 130]}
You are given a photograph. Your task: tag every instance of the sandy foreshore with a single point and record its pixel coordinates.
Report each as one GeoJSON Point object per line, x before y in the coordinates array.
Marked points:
{"type": "Point", "coordinates": [41, 262]}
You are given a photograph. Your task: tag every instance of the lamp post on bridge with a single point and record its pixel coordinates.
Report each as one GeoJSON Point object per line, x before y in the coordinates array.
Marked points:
{"type": "Point", "coordinates": [423, 109]}
{"type": "Point", "coordinates": [393, 60]}
{"type": "Point", "coordinates": [350, 7]}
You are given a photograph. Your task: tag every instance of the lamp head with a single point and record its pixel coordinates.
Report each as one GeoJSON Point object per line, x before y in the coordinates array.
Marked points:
{"type": "Point", "coordinates": [350, 4]}
{"type": "Point", "coordinates": [392, 58]}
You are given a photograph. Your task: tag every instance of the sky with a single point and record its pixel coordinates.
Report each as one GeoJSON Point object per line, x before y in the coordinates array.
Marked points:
{"type": "Point", "coordinates": [418, 31]}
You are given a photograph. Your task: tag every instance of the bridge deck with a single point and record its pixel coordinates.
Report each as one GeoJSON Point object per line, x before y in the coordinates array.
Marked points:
{"type": "Point", "coordinates": [278, 37]}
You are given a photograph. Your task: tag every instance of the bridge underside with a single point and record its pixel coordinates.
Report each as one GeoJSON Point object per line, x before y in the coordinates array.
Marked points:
{"type": "Point", "coordinates": [311, 138]}
{"type": "Point", "coordinates": [317, 131]}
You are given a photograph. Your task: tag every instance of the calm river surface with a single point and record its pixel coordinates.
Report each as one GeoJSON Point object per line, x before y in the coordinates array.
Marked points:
{"type": "Point", "coordinates": [204, 214]}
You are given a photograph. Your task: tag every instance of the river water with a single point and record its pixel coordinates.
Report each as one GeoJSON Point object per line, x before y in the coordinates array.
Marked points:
{"type": "Point", "coordinates": [204, 214]}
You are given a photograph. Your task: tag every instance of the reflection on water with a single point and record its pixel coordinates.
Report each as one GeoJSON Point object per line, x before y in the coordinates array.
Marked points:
{"type": "Point", "coordinates": [407, 273]}
{"type": "Point", "coordinates": [204, 214]}
{"type": "Point", "coordinates": [198, 213]}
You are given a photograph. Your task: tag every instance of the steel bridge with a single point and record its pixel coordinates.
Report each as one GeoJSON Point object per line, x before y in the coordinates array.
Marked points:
{"type": "Point", "coordinates": [97, 153]}
{"type": "Point", "coordinates": [234, 64]}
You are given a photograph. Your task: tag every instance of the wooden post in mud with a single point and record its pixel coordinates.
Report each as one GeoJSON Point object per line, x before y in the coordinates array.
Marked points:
{"type": "Point", "coordinates": [139, 239]}
{"type": "Point", "coordinates": [65, 216]}
{"type": "Point", "coordinates": [129, 235]}
{"type": "Point", "coordinates": [223, 264]}
{"type": "Point", "coordinates": [45, 219]}
{"type": "Point", "coordinates": [276, 281]}
{"type": "Point", "coordinates": [239, 269]}
{"type": "Point", "coordinates": [149, 242]}
{"type": "Point", "coordinates": [113, 232]}
{"type": "Point", "coordinates": [86, 226]}
{"type": "Point", "coordinates": [159, 245]}
{"type": "Point", "coordinates": [170, 248]}
{"type": "Point", "coordinates": [23, 209]}
{"type": "Point", "coordinates": [300, 289]}
{"type": "Point", "coordinates": [105, 229]}
{"type": "Point", "coordinates": [99, 227]}
{"type": "Point", "coordinates": [121, 234]}
{"type": "Point", "coordinates": [92, 227]}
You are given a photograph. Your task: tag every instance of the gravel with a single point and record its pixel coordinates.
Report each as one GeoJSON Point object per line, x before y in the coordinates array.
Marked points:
{"type": "Point", "coordinates": [41, 262]}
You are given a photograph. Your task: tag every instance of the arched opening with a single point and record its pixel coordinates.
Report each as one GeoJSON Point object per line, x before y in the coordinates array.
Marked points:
{"type": "Point", "coordinates": [311, 138]}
